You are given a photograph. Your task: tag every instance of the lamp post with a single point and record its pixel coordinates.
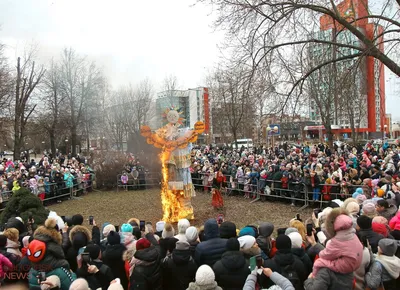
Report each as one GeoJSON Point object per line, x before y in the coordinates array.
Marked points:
{"type": "Point", "coordinates": [274, 131]}
{"type": "Point", "coordinates": [66, 145]}
{"type": "Point", "coordinates": [384, 132]}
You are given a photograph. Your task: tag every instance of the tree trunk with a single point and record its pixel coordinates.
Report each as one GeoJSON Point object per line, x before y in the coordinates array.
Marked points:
{"type": "Point", "coordinates": [52, 141]}
{"type": "Point", "coordinates": [73, 141]}
{"type": "Point", "coordinates": [234, 137]}
{"type": "Point", "coordinates": [329, 134]}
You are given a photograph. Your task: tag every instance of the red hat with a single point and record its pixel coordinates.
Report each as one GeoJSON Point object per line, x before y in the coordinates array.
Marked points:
{"type": "Point", "coordinates": [380, 229]}
{"type": "Point", "coordinates": [142, 244]}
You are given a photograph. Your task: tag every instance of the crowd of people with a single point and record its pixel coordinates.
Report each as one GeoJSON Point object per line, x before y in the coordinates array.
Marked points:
{"type": "Point", "coordinates": [49, 178]}
{"type": "Point", "coordinates": [336, 248]}
{"type": "Point", "coordinates": [286, 170]}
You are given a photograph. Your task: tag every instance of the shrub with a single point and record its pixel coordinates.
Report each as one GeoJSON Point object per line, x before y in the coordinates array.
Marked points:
{"type": "Point", "coordinates": [22, 204]}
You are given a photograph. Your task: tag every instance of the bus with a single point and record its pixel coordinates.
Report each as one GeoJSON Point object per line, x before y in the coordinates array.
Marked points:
{"type": "Point", "coordinates": [246, 143]}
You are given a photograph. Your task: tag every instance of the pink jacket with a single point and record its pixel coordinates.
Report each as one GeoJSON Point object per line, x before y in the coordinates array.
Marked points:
{"type": "Point", "coordinates": [394, 223]}
{"type": "Point", "coordinates": [343, 253]}
{"type": "Point", "coordinates": [4, 263]}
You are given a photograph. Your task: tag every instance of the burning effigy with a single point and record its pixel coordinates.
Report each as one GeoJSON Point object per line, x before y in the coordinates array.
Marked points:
{"type": "Point", "coordinates": [175, 144]}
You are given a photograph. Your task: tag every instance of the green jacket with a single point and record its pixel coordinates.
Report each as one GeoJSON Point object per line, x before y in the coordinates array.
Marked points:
{"type": "Point", "coordinates": [65, 275]}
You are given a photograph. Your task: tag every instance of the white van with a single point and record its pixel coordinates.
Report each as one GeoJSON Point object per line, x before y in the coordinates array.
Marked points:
{"type": "Point", "coordinates": [246, 143]}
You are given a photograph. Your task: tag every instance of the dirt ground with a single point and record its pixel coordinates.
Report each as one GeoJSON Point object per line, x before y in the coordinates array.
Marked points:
{"type": "Point", "coordinates": [118, 207]}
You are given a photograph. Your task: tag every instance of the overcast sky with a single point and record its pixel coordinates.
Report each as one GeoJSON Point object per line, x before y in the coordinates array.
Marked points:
{"type": "Point", "coordinates": [130, 39]}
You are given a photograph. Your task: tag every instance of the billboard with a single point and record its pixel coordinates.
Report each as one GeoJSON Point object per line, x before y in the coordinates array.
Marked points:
{"type": "Point", "coordinates": [272, 132]}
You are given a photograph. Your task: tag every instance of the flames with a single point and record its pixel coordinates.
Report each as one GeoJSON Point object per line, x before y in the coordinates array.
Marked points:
{"type": "Point", "coordinates": [173, 201]}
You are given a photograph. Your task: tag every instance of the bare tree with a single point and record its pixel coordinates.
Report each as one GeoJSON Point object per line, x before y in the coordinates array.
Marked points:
{"type": "Point", "coordinates": [5, 81]}
{"type": "Point", "coordinates": [260, 30]}
{"type": "Point", "coordinates": [26, 80]}
{"type": "Point", "coordinates": [80, 84]}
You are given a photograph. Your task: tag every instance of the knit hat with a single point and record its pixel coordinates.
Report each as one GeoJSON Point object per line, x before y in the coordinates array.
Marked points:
{"type": "Point", "coordinates": [54, 280]}
{"type": "Point", "coordinates": [368, 209]}
{"type": "Point", "coordinates": [126, 228]}
{"type": "Point", "coordinates": [361, 198]}
{"type": "Point", "coordinates": [160, 226]}
{"type": "Point", "coordinates": [388, 246]}
{"type": "Point", "coordinates": [77, 220]}
{"type": "Point", "coordinates": [353, 208]}
{"type": "Point", "coordinates": [227, 230]}
{"type": "Point", "coordinates": [107, 229]}
{"type": "Point", "coordinates": [113, 238]}
{"type": "Point", "coordinates": [191, 234]}
{"type": "Point", "coordinates": [168, 231]}
{"type": "Point", "coordinates": [246, 242]}
{"type": "Point", "coordinates": [232, 244]}
{"type": "Point", "coordinates": [358, 192]}
{"type": "Point", "coordinates": [183, 224]}
{"type": "Point", "coordinates": [181, 245]}
{"type": "Point", "coordinates": [342, 222]}
{"type": "Point", "coordinates": [247, 231]}
{"type": "Point", "coordinates": [296, 239]}
{"type": "Point", "coordinates": [266, 229]}
{"type": "Point", "coordinates": [142, 244]}
{"type": "Point", "coordinates": [291, 230]}
{"type": "Point", "coordinates": [283, 242]}
{"type": "Point", "coordinates": [79, 284]}
{"type": "Point", "coordinates": [380, 220]}
{"type": "Point", "coordinates": [364, 222]}
{"type": "Point", "coordinates": [205, 275]}
{"type": "Point", "coordinates": [93, 250]}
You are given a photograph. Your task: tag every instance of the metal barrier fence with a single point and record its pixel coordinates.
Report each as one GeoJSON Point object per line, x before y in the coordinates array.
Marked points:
{"type": "Point", "coordinates": [149, 180]}
{"type": "Point", "coordinates": [330, 192]}
{"type": "Point", "coordinates": [56, 191]}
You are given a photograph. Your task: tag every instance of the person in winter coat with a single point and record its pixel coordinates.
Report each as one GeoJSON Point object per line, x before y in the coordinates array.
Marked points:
{"type": "Point", "coordinates": [79, 236]}
{"type": "Point", "coordinates": [384, 209]}
{"type": "Point", "coordinates": [227, 230]}
{"type": "Point", "coordinates": [385, 269]}
{"type": "Point", "coordinates": [364, 230]}
{"type": "Point", "coordinates": [13, 245]}
{"type": "Point", "coordinates": [46, 255]}
{"type": "Point", "coordinates": [205, 280]}
{"type": "Point", "coordinates": [179, 269]}
{"type": "Point", "coordinates": [183, 224]}
{"type": "Point", "coordinates": [94, 270]}
{"type": "Point", "coordinates": [249, 247]}
{"type": "Point", "coordinates": [211, 250]}
{"type": "Point", "coordinates": [146, 274]}
{"type": "Point", "coordinates": [232, 270]}
{"type": "Point", "coordinates": [343, 252]}
{"type": "Point", "coordinates": [299, 251]}
{"type": "Point", "coordinates": [281, 283]}
{"type": "Point", "coordinates": [394, 223]}
{"type": "Point", "coordinates": [5, 266]}
{"type": "Point", "coordinates": [192, 237]}
{"type": "Point", "coordinates": [264, 239]}
{"type": "Point", "coordinates": [127, 237]}
{"type": "Point", "coordinates": [106, 230]}
{"type": "Point", "coordinates": [285, 261]}
{"type": "Point", "coordinates": [113, 257]}
{"type": "Point", "coordinates": [326, 279]}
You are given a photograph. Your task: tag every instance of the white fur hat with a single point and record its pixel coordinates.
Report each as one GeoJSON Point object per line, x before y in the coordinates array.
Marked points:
{"type": "Point", "coordinates": [183, 224]}
{"type": "Point", "coordinates": [296, 239]}
{"type": "Point", "coordinates": [246, 242]}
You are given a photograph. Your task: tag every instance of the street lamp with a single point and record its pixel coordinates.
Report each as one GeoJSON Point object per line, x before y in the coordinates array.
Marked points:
{"type": "Point", "coordinates": [268, 130]}
{"type": "Point", "coordinates": [384, 132]}
{"type": "Point", "coordinates": [66, 144]}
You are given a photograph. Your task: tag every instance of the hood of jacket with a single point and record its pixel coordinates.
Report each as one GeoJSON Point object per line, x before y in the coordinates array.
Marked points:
{"type": "Point", "coordinates": [147, 255]}
{"type": "Point", "coordinates": [299, 252]}
{"type": "Point", "coordinates": [264, 243]}
{"type": "Point", "coordinates": [391, 264]}
{"type": "Point", "coordinates": [79, 231]}
{"type": "Point", "coordinates": [253, 251]}
{"type": "Point", "coordinates": [181, 256]}
{"type": "Point", "coordinates": [47, 234]}
{"type": "Point", "coordinates": [211, 229]}
{"type": "Point", "coordinates": [115, 250]}
{"type": "Point", "coordinates": [283, 258]}
{"type": "Point", "coordinates": [53, 259]}
{"type": "Point", "coordinates": [266, 229]}
{"type": "Point", "coordinates": [233, 260]}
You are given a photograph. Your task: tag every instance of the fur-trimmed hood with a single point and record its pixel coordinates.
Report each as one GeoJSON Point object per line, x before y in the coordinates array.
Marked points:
{"type": "Point", "coordinates": [80, 233]}
{"type": "Point", "coordinates": [330, 220]}
{"type": "Point", "coordinates": [48, 232]}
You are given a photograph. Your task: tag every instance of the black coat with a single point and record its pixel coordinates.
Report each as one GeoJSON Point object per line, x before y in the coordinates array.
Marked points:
{"type": "Point", "coordinates": [211, 250]}
{"type": "Point", "coordinates": [302, 255]}
{"type": "Point", "coordinates": [372, 237]}
{"type": "Point", "coordinates": [112, 257]}
{"type": "Point", "coordinates": [231, 271]}
{"type": "Point", "coordinates": [147, 274]}
{"type": "Point", "coordinates": [178, 270]}
{"type": "Point", "coordinates": [101, 279]}
{"type": "Point", "coordinates": [282, 259]}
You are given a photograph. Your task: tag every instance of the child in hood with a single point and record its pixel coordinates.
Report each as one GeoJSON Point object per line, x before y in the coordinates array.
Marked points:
{"type": "Point", "coordinates": [124, 180]}
{"type": "Point", "coordinates": [386, 268]}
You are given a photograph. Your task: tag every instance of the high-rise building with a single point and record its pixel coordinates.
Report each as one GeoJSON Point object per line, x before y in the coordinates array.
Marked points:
{"type": "Point", "coordinates": [369, 73]}
{"type": "Point", "coordinates": [194, 104]}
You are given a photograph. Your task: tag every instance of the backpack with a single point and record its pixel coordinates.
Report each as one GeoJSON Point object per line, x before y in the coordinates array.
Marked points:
{"type": "Point", "coordinates": [290, 273]}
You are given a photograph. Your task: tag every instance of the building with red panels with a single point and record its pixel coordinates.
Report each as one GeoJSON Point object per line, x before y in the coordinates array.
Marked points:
{"type": "Point", "coordinates": [369, 72]}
